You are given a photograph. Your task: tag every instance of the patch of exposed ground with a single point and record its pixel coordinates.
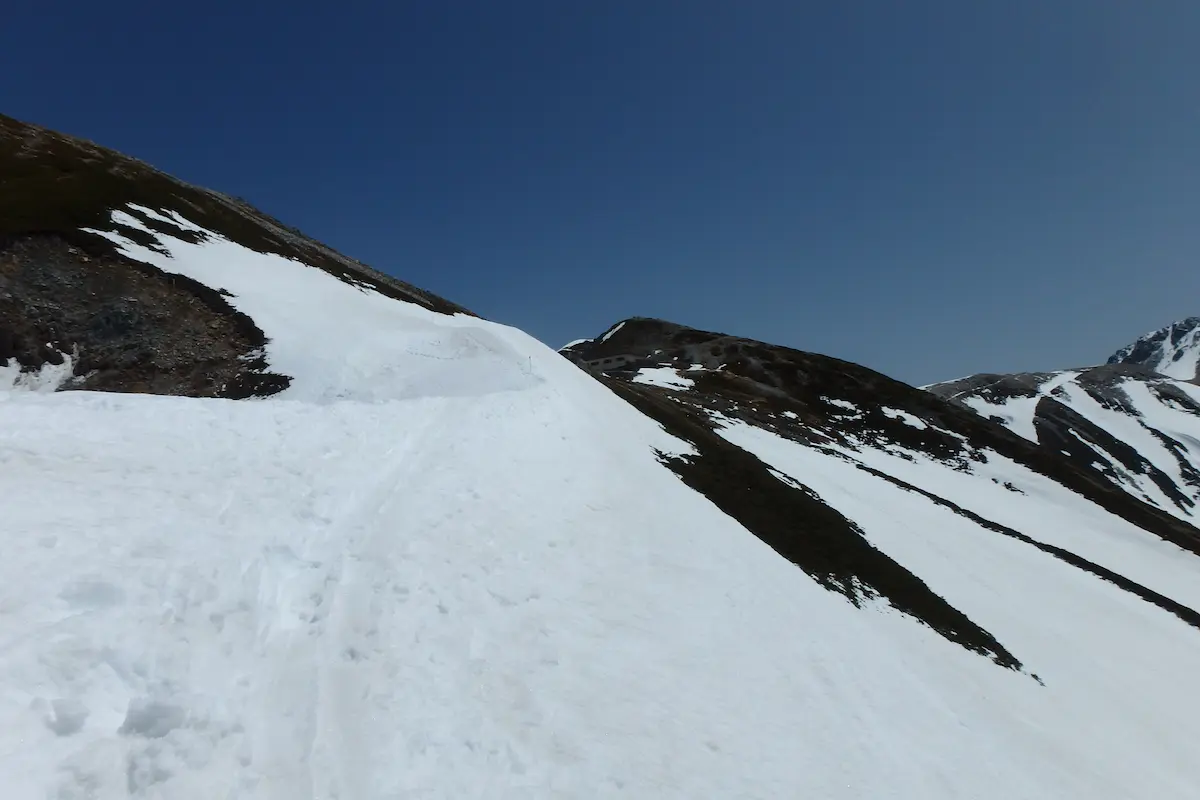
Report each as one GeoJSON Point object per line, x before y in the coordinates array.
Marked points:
{"type": "Point", "coordinates": [129, 326]}
{"type": "Point", "coordinates": [54, 183]}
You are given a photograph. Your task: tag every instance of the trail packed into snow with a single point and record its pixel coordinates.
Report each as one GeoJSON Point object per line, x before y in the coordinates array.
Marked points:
{"type": "Point", "coordinates": [447, 563]}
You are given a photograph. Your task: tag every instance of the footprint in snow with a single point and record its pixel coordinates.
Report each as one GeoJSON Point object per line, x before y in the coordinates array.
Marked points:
{"type": "Point", "coordinates": [63, 716]}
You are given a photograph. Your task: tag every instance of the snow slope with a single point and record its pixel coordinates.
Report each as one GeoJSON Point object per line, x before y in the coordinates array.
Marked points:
{"type": "Point", "coordinates": [1084, 625]}
{"type": "Point", "coordinates": [339, 342]}
{"type": "Point", "coordinates": [446, 563]}
{"type": "Point", "coordinates": [1143, 431]}
{"type": "Point", "coordinates": [1017, 412]}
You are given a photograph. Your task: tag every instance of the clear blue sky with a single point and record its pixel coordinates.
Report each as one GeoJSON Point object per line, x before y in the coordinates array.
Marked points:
{"type": "Point", "coordinates": [928, 187]}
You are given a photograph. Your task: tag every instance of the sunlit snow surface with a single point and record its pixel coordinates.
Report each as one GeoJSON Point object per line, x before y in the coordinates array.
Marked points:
{"type": "Point", "coordinates": [446, 564]}
{"type": "Point", "coordinates": [1016, 413]}
{"type": "Point", "coordinates": [46, 379]}
{"type": "Point", "coordinates": [905, 417]}
{"type": "Point", "coordinates": [1084, 637]}
{"type": "Point", "coordinates": [666, 377]}
{"type": "Point", "coordinates": [1183, 360]}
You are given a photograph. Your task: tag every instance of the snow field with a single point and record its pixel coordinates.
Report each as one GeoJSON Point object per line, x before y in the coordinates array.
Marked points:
{"type": "Point", "coordinates": [1104, 654]}
{"type": "Point", "coordinates": [446, 563]}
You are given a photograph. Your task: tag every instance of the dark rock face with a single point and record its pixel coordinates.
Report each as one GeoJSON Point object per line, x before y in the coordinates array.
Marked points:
{"type": "Point", "coordinates": [130, 326]}
{"type": "Point", "coordinates": [820, 401]}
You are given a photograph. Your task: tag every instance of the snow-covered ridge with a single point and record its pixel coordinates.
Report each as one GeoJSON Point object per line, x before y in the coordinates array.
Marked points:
{"type": "Point", "coordinates": [1139, 430]}
{"type": "Point", "coordinates": [932, 488]}
{"type": "Point", "coordinates": [461, 588]}
{"type": "Point", "coordinates": [336, 340]}
{"type": "Point", "coordinates": [1016, 411]}
{"type": "Point", "coordinates": [445, 562]}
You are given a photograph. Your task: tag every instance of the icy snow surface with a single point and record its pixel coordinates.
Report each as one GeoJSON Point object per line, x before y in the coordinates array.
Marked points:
{"type": "Point", "coordinates": [447, 564]}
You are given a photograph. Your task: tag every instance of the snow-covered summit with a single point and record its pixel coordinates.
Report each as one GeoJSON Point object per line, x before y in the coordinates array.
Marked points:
{"type": "Point", "coordinates": [1173, 351]}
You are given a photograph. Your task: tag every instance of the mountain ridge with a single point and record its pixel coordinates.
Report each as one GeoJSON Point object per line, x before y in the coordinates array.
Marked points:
{"type": "Point", "coordinates": [1125, 418]}
{"type": "Point", "coordinates": [1173, 350]}
{"type": "Point", "coordinates": [67, 292]}
{"type": "Point", "coordinates": [378, 546]}
{"type": "Point", "coordinates": [765, 384]}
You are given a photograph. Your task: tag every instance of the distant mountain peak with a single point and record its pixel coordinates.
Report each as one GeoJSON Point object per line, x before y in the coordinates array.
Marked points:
{"type": "Point", "coordinates": [1173, 350]}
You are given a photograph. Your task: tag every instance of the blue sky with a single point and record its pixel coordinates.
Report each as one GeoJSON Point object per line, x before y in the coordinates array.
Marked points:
{"type": "Point", "coordinates": [930, 187]}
